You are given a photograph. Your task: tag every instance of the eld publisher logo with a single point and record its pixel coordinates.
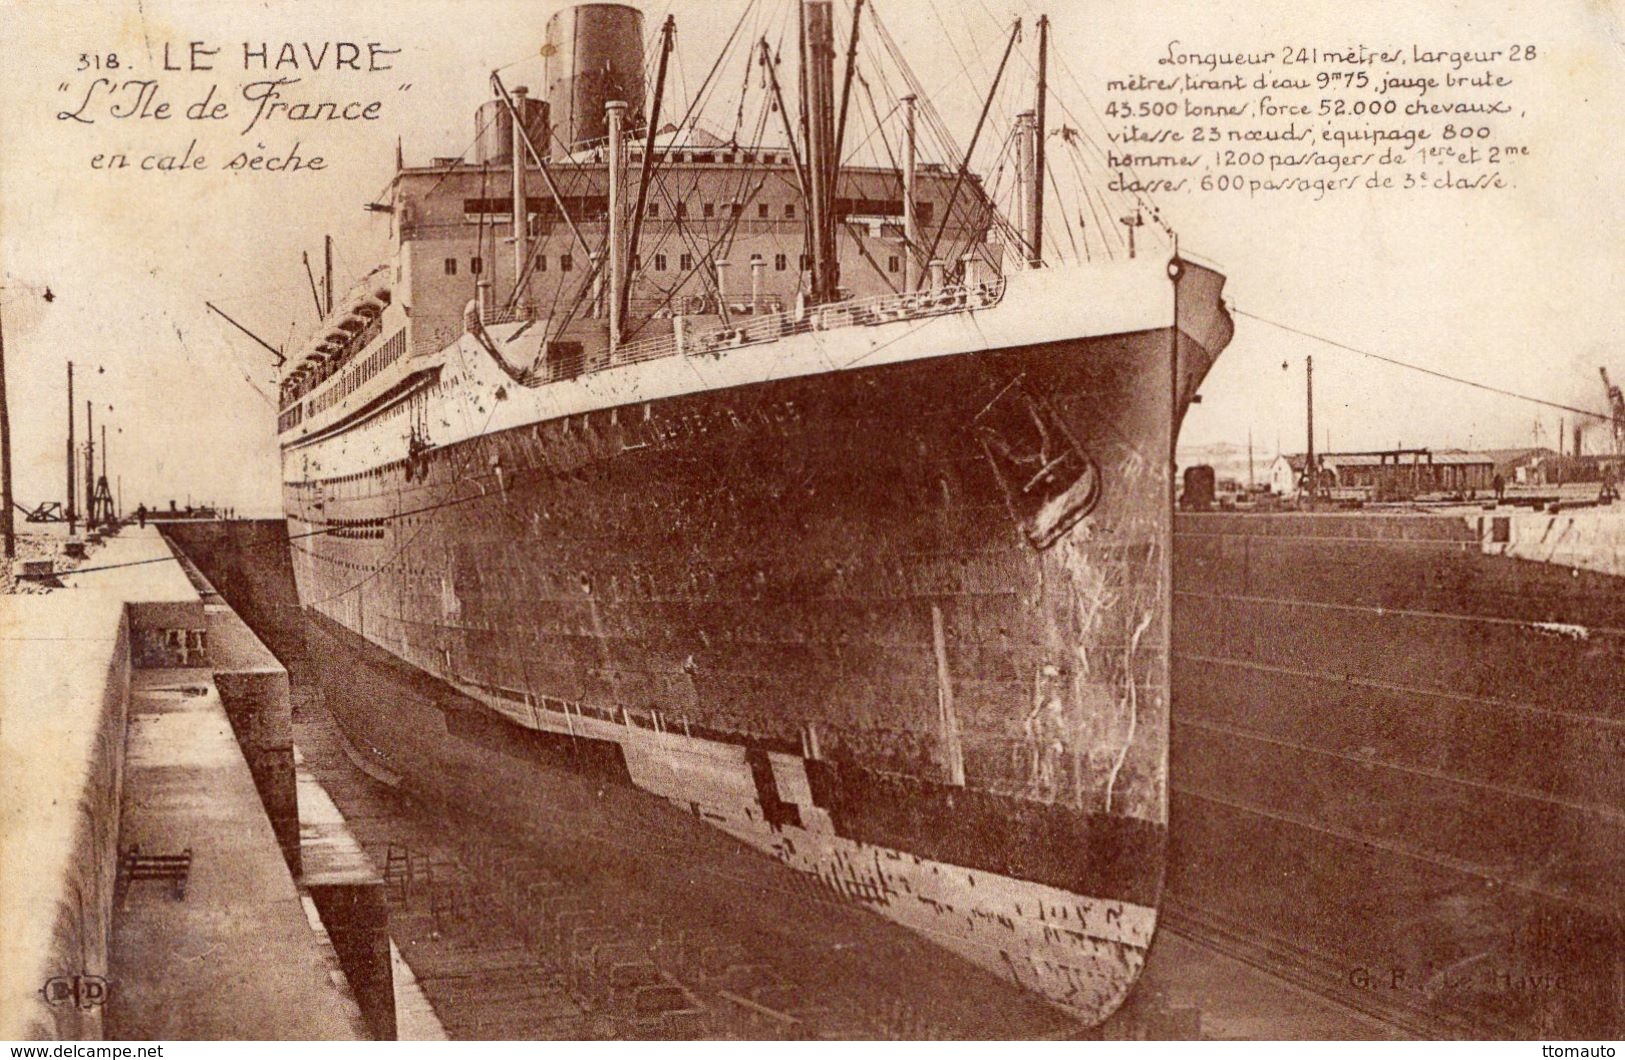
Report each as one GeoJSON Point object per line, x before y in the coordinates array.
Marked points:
{"type": "Point", "coordinates": [85, 991]}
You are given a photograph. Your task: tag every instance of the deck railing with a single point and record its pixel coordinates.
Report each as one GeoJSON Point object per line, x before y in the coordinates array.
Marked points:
{"type": "Point", "coordinates": [754, 329]}
{"type": "Point", "coordinates": [567, 360]}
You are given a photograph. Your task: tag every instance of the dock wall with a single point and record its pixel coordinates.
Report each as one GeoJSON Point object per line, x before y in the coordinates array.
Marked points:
{"type": "Point", "coordinates": [248, 561]}
{"type": "Point", "coordinates": [56, 914]}
{"type": "Point", "coordinates": [116, 738]}
{"type": "Point", "coordinates": [1396, 768]}
{"type": "Point", "coordinates": [254, 690]}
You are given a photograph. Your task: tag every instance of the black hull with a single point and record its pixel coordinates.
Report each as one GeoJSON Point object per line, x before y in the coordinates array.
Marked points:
{"type": "Point", "coordinates": [918, 611]}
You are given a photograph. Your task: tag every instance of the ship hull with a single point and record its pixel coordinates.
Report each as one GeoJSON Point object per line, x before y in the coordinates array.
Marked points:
{"type": "Point", "coordinates": [903, 628]}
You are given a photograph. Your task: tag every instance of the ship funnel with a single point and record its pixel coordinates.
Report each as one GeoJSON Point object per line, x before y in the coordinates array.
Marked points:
{"type": "Point", "coordinates": [594, 55]}
{"type": "Point", "coordinates": [493, 127]}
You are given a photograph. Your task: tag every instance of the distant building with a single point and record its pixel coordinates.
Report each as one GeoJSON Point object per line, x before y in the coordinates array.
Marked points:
{"type": "Point", "coordinates": [1390, 474]}
{"type": "Point", "coordinates": [1554, 470]}
{"type": "Point", "coordinates": [1515, 465]}
{"type": "Point", "coordinates": [1286, 474]}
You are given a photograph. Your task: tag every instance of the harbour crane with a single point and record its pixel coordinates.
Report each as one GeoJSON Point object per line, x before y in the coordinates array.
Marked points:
{"type": "Point", "coordinates": [1616, 405]}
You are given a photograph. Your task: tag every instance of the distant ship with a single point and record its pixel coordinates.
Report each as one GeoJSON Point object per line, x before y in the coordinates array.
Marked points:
{"type": "Point", "coordinates": [818, 499]}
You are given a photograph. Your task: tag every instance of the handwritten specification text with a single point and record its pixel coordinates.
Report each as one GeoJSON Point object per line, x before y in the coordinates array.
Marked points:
{"type": "Point", "coordinates": [1303, 119]}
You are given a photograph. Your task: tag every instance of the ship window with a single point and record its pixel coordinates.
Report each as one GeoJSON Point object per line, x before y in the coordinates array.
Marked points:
{"type": "Point", "coordinates": [761, 209]}
{"type": "Point", "coordinates": [566, 263]}
{"type": "Point", "coordinates": [654, 209]}
{"type": "Point", "coordinates": [755, 258]}
{"type": "Point", "coordinates": [780, 262]}
{"type": "Point", "coordinates": [451, 266]}
{"type": "Point", "coordinates": [685, 262]}
{"type": "Point", "coordinates": [735, 209]}
{"type": "Point", "coordinates": [682, 209]}
{"type": "Point", "coordinates": [541, 263]}
{"type": "Point", "coordinates": [660, 263]}
{"type": "Point", "coordinates": [789, 209]}
{"type": "Point", "coordinates": [710, 209]}
{"type": "Point", "coordinates": [892, 264]}
{"type": "Point", "coordinates": [476, 266]}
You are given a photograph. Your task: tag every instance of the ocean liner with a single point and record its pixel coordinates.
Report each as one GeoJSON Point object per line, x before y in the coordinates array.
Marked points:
{"type": "Point", "coordinates": [823, 500]}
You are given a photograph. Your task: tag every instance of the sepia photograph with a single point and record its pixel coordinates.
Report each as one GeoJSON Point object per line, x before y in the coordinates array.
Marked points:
{"type": "Point", "coordinates": [811, 520]}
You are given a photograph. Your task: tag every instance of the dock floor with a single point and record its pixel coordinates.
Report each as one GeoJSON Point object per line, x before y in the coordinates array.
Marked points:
{"type": "Point", "coordinates": [234, 958]}
{"type": "Point", "coordinates": [484, 981]}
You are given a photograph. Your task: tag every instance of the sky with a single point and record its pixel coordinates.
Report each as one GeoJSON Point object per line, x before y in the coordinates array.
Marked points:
{"type": "Point", "coordinates": [1517, 288]}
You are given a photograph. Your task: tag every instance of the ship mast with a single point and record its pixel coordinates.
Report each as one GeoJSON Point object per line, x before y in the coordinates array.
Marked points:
{"type": "Point", "coordinates": [615, 113]}
{"type": "Point", "coordinates": [818, 77]}
{"type": "Point", "coordinates": [981, 122]}
{"type": "Point", "coordinates": [521, 213]}
{"type": "Point", "coordinates": [522, 137]}
{"type": "Point", "coordinates": [667, 31]}
{"type": "Point", "coordinates": [846, 82]}
{"type": "Point", "coordinates": [911, 234]}
{"type": "Point", "coordinates": [1035, 207]}
{"type": "Point", "coordinates": [789, 133]}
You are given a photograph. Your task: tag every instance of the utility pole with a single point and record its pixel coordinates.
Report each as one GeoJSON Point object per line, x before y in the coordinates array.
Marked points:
{"type": "Point", "coordinates": [73, 503]}
{"type": "Point", "coordinates": [90, 466]}
{"type": "Point", "coordinates": [327, 243]}
{"type": "Point", "coordinates": [1311, 472]}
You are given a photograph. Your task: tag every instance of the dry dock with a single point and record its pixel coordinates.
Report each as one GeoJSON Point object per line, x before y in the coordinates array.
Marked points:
{"type": "Point", "coordinates": [1396, 813]}
{"type": "Point", "coordinates": [143, 890]}
{"type": "Point", "coordinates": [1256, 881]}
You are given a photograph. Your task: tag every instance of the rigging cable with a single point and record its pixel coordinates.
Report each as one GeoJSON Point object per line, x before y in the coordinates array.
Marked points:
{"type": "Point", "coordinates": [1475, 384]}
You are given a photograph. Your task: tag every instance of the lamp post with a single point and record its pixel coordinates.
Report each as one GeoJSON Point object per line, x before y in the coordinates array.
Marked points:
{"type": "Point", "coordinates": [7, 526]}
